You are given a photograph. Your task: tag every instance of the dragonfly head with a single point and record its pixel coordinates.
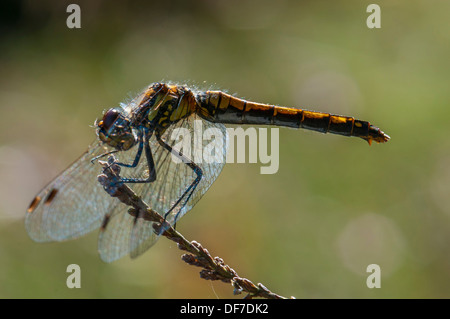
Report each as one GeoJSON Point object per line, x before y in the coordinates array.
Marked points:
{"type": "Point", "coordinates": [116, 131]}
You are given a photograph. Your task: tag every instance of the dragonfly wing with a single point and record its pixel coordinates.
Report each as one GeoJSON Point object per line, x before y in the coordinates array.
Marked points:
{"type": "Point", "coordinates": [209, 154]}
{"type": "Point", "coordinates": [122, 234]}
{"type": "Point", "coordinates": [72, 205]}
{"type": "Point", "coordinates": [173, 177]}
{"type": "Point", "coordinates": [143, 237]}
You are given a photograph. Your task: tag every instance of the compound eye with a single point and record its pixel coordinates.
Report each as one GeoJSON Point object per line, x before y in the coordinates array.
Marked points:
{"type": "Point", "coordinates": [109, 118]}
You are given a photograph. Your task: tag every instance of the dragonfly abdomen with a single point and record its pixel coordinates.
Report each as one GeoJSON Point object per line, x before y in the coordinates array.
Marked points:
{"type": "Point", "coordinates": [220, 107]}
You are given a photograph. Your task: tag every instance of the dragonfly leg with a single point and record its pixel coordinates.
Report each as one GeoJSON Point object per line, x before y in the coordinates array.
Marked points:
{"type": "Point", "coordinates": [191, 188]}
{"type": "Point", "coordinates": [138, 154]}
{"type": "Point", "coordinates": [143, 144]}
{"type": "Point", "coordinates": [103, 155]}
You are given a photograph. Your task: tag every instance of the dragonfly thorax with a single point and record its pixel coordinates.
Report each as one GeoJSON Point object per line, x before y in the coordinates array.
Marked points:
{"type": "Point", "coordinates": [116, 130]}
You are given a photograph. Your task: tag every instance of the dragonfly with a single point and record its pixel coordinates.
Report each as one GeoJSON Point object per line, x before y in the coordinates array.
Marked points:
{"type": "Point", "coordinates": [139, 133]}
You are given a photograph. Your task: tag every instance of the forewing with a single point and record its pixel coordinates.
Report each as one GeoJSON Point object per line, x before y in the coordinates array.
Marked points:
{"type": "Point", "coordinates": [173, 178]}
{"type": "Point", "coordinates": [71, 205]}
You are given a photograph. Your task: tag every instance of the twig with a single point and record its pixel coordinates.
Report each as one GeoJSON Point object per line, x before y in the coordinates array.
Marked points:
{"type": "Point", "coordinates": [213, 268]}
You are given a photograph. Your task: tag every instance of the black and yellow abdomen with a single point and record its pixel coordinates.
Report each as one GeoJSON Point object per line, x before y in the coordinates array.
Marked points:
{"type": "Point", "coordinates": [216, 106]}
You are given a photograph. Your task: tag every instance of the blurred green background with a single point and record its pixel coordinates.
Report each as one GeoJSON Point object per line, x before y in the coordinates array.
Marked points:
{"type": "Point", "coordinates": [335, 206]}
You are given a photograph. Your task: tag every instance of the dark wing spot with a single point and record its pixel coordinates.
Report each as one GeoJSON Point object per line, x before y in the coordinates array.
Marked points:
{"type": "Point", "coordinates": [34, 204]}
{"type": "Point", "coordinates": [105, 222]}
{"type": "Point", "coordinates": [51, 196]}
